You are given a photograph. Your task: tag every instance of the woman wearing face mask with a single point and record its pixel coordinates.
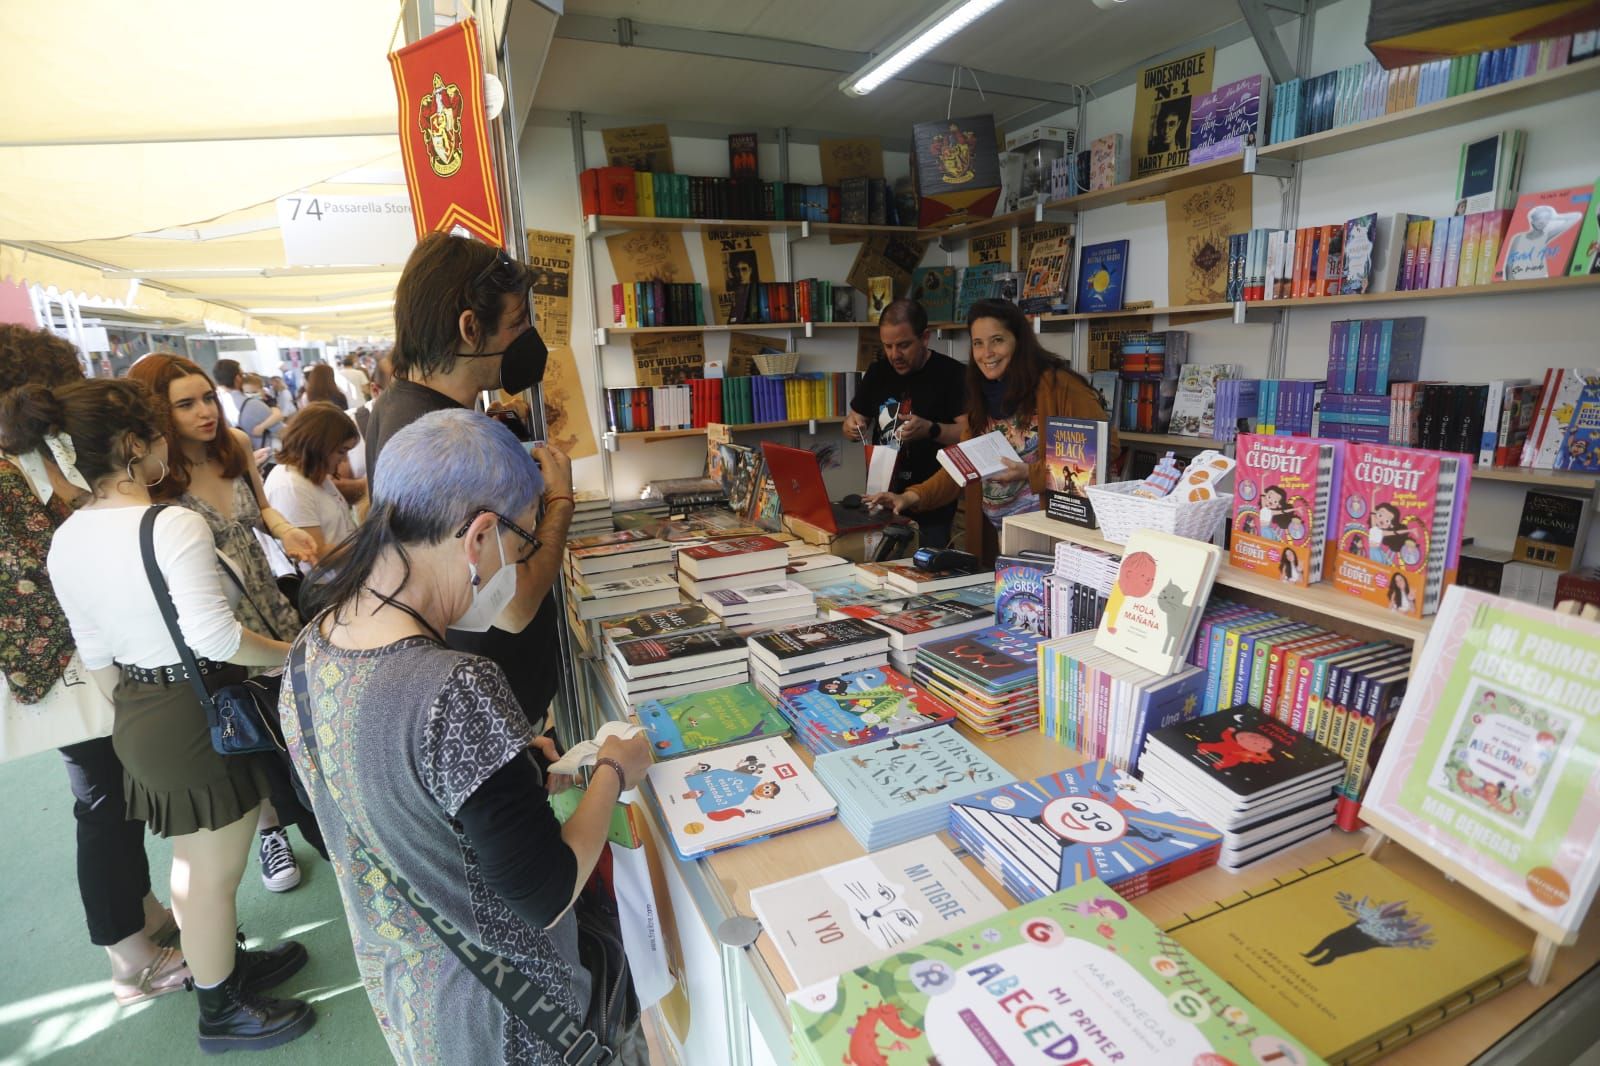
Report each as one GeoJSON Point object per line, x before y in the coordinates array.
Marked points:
{"type": "Point", "coordinates": [211, 472]}
{"type": "Point", "coordinates": [301, 486]}
{"type": "Point", "coordinates": [174, 781]}
{"type": "Point", "coordinates": [431, 760]}
{"type": "Point", "coordinates": [1013, 385]}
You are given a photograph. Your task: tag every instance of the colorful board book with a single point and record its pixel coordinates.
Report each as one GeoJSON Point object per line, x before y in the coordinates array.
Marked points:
{"type": "Point", "coordinates": [705, 720]}
{"type": "Point", "coordinates": [1283, 488]}
{"type": "Point", "coordinates": [1098, 981]}
{"type": "Point", "coordinates": [1092, 820]}
{"type": "Point", "coordinates": [856, 912]}
{"type": "Point", "coordinates": [858, 708]}
{"type": "Point", "coordinates": [1156, 602]}
{"type": "Point", "coordinates": [1020, 598]}
{"type": "Point", "coordinates": [1317, 943]}
{"type": "Point", "coordinates": [733, 795]}
{"type": "Point", "coordinates": [1491, 764]}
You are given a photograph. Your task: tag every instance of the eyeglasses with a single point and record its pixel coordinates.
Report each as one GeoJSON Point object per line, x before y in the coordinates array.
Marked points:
{"type": "Point", "coordinates": [533, 541]}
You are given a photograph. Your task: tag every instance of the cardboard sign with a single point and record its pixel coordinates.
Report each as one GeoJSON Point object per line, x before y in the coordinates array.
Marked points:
{"type": "Point", "coordinates": [668, 358]}
{"type": "Point", "coordinates": [735, 255]}
{"type": "Point", "coordinates": [550, 259]}
{"type": "Point", "coordinates": [743, 349]}
{"type": "Point", "coordinates": [990, 248]}
{"type": "Point", "coordinates": [1163, 98]}
{"type": "Point", "coordinates": [566, 411]}
{"type": "Point", "coordinates": [640, 147]}
{"type": "Point", "coordinates": [649, 255]}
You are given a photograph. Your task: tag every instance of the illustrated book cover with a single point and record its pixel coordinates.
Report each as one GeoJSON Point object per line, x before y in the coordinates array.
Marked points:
{"type": "Point", "coordinates": [1155, 605]}
{"type": "Point", "coordinates": [1101, 274]}
{"type": "Point", "coordinates": [1074, 458]}
{"type": "Point", "coordinates": [705, 720]}
{"type": "Point", "coordinates": [1283, 489]}
{"type": "Point", "coordinates": [732, 795]}
{"type": "Point", "coordinates": [859, 708]}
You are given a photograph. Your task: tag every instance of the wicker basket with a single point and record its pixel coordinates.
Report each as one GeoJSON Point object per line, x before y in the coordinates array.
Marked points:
{"type": "Point", "coordinates": [1121, 513]}
{"type": "Point", "coordinates": [778, 363]}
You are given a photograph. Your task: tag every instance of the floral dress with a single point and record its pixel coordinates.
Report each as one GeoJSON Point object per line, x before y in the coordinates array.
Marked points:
{"type": "Point", "coordinates": [263, 610]}
{"type": "Point", "coordinates": [35, 641]}
{"type": "Point", "coordinates": [1002, 498]}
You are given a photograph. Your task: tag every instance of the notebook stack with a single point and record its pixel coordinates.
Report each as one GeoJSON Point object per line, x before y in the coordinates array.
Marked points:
{"type": "Point", "coordinates": [681, 725]}
{"type": "Point", "coordinates": [989, 676]}
{"type": "Point", "coordinates": [1094, 820]}
{"type": "Point", "coordinates": [591, 515]}
{"type": "Point", "coordinates": [901, 788]}
{"type": "Point", "coordinates": [937, 616]}
{"type": "Point", "coordinates": [734, 563]}
{"type": "Point", "coordinates": [849, 710]}
{"type": "Point", "coordinates": [762, 606]}
{"type": "Point", "coordinates": [819, 570]}
{"type": "Point", "coordinates": [735, 795]}
{"type": "Point", "coordinates": [812, 651]}
{"type": "Point", "coordinates": [649, 668]}
{"type": "Point", "coordinates": [1264, 785]}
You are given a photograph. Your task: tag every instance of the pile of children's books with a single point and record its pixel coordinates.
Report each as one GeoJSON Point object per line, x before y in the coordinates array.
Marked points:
{"type": "Point", "coordinates": [733, 795]}
{"type": "Point", "coordinates": [848, 710]}
{"type": "Point", "coordinates": [900, 788]}
{"type": "Point", "coordinates": [1264, 785]}
{"type": "Point", "coordinates": [811, 651]}
{"type": "Point", "coordinates": [681, 725]}
{"type": "Point", "coordinates": [989, 676]}
{"type": "Point", "coordinates": [1037, 837]}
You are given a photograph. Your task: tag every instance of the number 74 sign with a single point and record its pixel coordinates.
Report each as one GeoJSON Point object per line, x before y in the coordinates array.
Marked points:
{"type": "Point", "coordinates": [346, 230]}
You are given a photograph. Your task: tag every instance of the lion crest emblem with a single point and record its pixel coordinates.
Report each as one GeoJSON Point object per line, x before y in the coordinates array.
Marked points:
{"type": "Point", "coordinates": [439, 119]}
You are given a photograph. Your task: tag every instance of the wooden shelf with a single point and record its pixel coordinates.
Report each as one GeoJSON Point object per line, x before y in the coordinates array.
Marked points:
{"type": "Point", "coordinates": [1571, 480]}
{"type": "Point", "coordinates": [1323, 600]}
{"type": "Point", "coordinates": [1171, 440]}
{"type": "Point", "coordinates": [597, 225]}
{"type": "Point", "coordinates": [707, 329]}
{"type": "Point", "coordinates": [650, 436]}
{"type": "Point", "coordinates": [1497, 288]}
{"type": "Point", "coordinates": [1441, 114]}
{"type": "Point", "coordinates": [1085, 316]}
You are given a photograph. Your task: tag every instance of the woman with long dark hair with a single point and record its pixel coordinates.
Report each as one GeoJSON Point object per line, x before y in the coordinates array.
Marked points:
{"type": "Point", "coordinates": [301, 487]}
{"type": "Point", "coordinates": [175, 782]}
{"type": "Point", "coordinates": [1013, 385]}
{"type": "Point", "coordinates": [322, 388]}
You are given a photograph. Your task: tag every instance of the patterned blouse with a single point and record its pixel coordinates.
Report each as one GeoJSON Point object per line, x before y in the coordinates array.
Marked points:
{"type": "Point", "coordinates": [1002, 498]}
{"type": "Point", "coordinates": [35, 642]}
{"type": "Point", "coordinates": [266, 611]}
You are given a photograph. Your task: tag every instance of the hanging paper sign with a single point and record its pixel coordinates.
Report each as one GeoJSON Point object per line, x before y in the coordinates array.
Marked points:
{"type": "Point", "coordinates": [444, 135]}
{"type": "Point", "coordinates": [550, 260]}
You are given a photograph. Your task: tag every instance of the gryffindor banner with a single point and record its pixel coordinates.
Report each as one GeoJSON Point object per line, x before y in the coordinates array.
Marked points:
{"type": "Point", "coordinates": [444, 135]}
{"type": "Point", "coordinates": [957, 169]}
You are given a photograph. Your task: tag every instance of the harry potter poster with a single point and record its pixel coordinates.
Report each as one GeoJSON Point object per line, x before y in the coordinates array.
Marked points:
{"type": "Point", "coordinates": [640, 147]}
{"type": "Point", "coordinates": [649, 255]}
{"type": "Point", "coordinates": [735, 256]}
{"type": "Point", "coordinates": [566, 412]}
{"type": "Point", "coordinates": [668, 358]}
{"type": "Point", "coordinates": [1163, 96]}
{"type": "Point", "coordinates": [550, 259]}
{"type": "Point", "coordinates": [886, 255]}
{"type": "Point", "coordinates": [1199, 221]}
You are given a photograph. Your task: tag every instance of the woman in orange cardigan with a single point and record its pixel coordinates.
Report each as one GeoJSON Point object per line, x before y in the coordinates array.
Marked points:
{"type": "Point", "coordinates": [1013, 384]}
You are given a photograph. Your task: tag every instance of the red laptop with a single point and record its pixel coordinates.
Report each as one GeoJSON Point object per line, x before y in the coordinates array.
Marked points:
{"type": "Point", "coordinates": [797, 475]}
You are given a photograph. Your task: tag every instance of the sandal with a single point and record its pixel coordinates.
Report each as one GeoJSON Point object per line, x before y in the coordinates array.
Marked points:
{"type": "Point", "coordinates": [167, 973]}
{"type": "Point", "coordinates": [167, 935]}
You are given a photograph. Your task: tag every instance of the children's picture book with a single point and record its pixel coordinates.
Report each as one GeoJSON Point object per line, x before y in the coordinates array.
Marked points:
{"type": "Point", "coordinates": [1586, 254]}
{"type": "Point", "coordinates": [1074, 459]}
{"type": "Point", "coordinates": [1491, 765]}
{"type": "Point", "coordinates": [1580, 445]}
{"type": "Point", "coordinates": [686, 724]}
{"type": "Point", "coordinates": [993, 660]}
{"type": "Point", "coordinates": [1543, 234]}
{"type": "Point", "coordinates": [1093, 820]}
{"type": "Point", "coordinates": [1045, 275]}
{"type": "Point", "coordinates": [859, 708]}
{"type": "Point", "coordinates": [1155, 604]}
{"type": "Point", "coordinates": [1399, 532]}
{"type": "Point", "coordinates": [1244, 754]}
{"type": "Point", "coordinates": [1318, 942]}
{"type": "Point", "coordinates": [716, 799]}
{"type": "Point", "coordinates": [1093, 973]}
{"type": "Point", "coordinates": [1558, 402]}
{"type": "Point", "coordinates": [1020, 599]}
{"type": "Point", "coordinates": [1101, 273]}
{"type": "Point", "coordinates": [1225, 119]}
{"type": "Point", "coordinates": [1281, 497]}
{"type": "Point", "coordinates": [857, 912]}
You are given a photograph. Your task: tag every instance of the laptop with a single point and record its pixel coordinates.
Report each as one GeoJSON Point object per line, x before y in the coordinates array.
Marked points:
{"type": "Point", "coordinates": [797, 475]}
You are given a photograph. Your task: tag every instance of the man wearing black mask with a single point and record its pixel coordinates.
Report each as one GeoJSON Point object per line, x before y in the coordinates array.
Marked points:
{"type": "Point", "coordinates": [463, 327]}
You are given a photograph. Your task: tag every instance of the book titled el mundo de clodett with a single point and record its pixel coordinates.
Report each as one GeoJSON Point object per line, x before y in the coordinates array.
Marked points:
{"type": "Point", "coordinates": [1100, 982]}
{"type": "Point", "coordinates": [705, 720]}
{"type": "Point", "coordinates": [859, 708]}
{"type": "Point", "coordinates": [1282, 493]}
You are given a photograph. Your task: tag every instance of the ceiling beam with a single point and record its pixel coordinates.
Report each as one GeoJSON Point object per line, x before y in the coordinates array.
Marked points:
{"type": "Point", "coordinates": [629, 33]}
{"type": "Point", "coordinates": [711, 130]}
{"type": "Point", "coordinates": [1262, 27]}
{"type": "Point", "coordinates": [356, 129]}
{"type": "Point", "coordinates": [171, 273]}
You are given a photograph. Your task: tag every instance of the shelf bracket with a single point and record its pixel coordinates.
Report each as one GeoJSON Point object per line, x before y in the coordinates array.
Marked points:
{"type": "Point", "coordinates": [1271, 168]}
{"type": "Point", "coordinates": [1239, 308]}
{"type": "Point", "coordinates": [949, 244]}
{"type": "Point", "coordinates": [805, 228]}
{"type": "Point", "coordinates": [812, 428]}
{"type": "Point", "coordinates": [600, 337]}
{"type": "Point", "coordinates": [591, 225]}
{"type": "Point", "coordinates": [810, 329]}
{"type": "Point", "coordinates": [609, 441]}
{"type": "Point", "coordinates": [1266, 37]}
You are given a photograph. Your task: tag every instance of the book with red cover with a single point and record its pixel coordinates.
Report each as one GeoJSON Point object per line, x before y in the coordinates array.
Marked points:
{"type": "Point", "coordinates": [740, 556]}
{"type": "Point", "coordinates": [618, 194]}
{"type": "Point", "coordinates": [1543, 233]}
{"type": "Point", "coordinates": [589, 191]}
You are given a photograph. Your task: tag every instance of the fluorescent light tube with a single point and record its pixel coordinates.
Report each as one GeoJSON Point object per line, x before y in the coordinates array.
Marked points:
{"type": "Point", "coordinates": [937, 28]}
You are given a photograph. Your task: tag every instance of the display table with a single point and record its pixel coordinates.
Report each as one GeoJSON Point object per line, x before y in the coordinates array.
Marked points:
{"type": "Point", "coordinates": [755, 980]}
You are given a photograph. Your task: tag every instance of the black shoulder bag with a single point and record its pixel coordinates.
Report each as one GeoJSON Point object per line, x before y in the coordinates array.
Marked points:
{"type": "Point", "coordinates": [519, 994]}
{"type": "Point", "coordinates": [243, 716]}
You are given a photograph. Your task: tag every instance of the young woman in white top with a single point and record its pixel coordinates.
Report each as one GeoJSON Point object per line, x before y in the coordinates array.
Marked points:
{"type": "Point", "coordinates": [301, 487]}
{"type": "Point", "coordinates": [175, 782]}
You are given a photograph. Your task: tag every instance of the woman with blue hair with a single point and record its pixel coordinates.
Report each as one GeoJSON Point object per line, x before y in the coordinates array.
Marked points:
{"type": "Point", "coordinates": [416, 756]}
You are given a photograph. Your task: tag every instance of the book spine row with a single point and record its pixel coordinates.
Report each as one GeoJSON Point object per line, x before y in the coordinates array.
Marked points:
{"type": "Point", "coordinates": [734, 401]}
{"type": "Point", "coordinates": [657, 303]}
{"type": "Point", "coordinates": [1363, 91]}
{"type": "Point", "coordinates": [806, 300]}
{"type": "Point", "coordinates": [643, 194]}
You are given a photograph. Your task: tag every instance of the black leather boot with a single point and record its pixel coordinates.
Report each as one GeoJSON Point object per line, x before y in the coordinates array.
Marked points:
{"type": "Point", "coordinates": [232, 1018]}
{"type": "Point", "coordinates": [271, 966]}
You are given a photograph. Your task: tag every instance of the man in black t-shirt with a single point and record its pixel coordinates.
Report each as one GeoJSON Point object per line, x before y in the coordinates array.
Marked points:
{"type": "Point", "coordinates": [463, 327]}
{"type": "Point", "coordinates": [926, 393]}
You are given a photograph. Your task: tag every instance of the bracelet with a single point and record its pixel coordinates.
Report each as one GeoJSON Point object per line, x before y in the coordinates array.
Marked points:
{"type": "Point", "coordinates": [622, 778]}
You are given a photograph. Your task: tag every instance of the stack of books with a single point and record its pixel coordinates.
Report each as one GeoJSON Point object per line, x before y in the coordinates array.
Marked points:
{"type": "Point", "coordinates": [616, 593]}
{"type": "Point", "coordinates": [1264, 785]}
{"type": "Point", "coordinates": [684, 494]}
{"type": "Point", "coordinates": [912, 580]}
{"type": "Point", "coordinates": [1038, 837]}
{"type": "Point", "coordinates": [852, 599]}
{"type": "Point", "coordinates": [762, 605]}
{"type": "Point", "coordinates": [642, 514]}
{"type": "Point", "coordinates": [734, 795]}
{"type": "Point", "coordinates": [1097, 703]}
{"type": "Point", "coordinates": [1078, 587]}
{"type": "Point", "coordinates": [812, 651]}
{"type": "Point", "coordinates": [647, 668]}
{"type": "Point", "coordinates": [737, 563]}
{"type": "Point", "coordinates": [990, 677]}
{"type": "Point", "coordinates": [632, 550]}
{"type": "Point", "coordinates": [591, 514]}
{"type": "Point", "coordinates": [849, 710]}
{"type": "Point", "coordinates": [681, 725]}
{"type": "Point", "coordinates": [702, 527]}
{"type": "Point", "coordinates": [684, 618]}
{"type": "Point", "coordinates": [818, 569]}
{"type": "Point", "coordinates": [901, 788]}
{"type": "Point", "coordinates": [923, 619]}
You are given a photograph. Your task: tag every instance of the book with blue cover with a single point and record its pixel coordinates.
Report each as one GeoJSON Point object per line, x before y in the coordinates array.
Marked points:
{"type": "Point", "coordinates": [897, 789]}
{"type": "Point", "coordinates": [1092, 820]}
{"type": "Point", "coordinates": [858, 708]}
{"type": "Point", "coordinates": [978, 283]}
{"type": "Point", "coordinates": [1580, 446]}
{"type": "Point", "coordinates": [705, 720]}
{"type": "Point", "coordinates": [993, 661]}
{"type": "Point", "coordinates": [1101, 274]}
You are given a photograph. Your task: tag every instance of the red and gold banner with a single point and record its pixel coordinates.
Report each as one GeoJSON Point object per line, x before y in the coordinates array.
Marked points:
{"type": "Point", "coordinates": [444, 135]}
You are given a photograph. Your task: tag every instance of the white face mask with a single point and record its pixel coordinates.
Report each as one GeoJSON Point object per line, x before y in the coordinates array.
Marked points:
{"type": "Point", "coordinates": [489, 599]}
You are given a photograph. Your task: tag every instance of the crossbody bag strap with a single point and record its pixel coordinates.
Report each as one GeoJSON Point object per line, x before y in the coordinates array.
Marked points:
{"type": "Point", "coordinates": [226, 566]}
{"type": "Point", "coordinates": [518, 993]}
{"type": "Point", "coordinates": [169, 611]}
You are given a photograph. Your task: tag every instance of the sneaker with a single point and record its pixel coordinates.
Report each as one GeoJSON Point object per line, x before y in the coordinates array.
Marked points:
{"type": "Point", "coordinates": [279, 871]}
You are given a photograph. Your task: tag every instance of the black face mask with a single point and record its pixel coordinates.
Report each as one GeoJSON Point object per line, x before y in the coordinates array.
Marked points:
{"type": "Point", "coordinates": [522, 363]}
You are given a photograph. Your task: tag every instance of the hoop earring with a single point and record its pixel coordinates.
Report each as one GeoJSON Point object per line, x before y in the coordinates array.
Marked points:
{"type": "Point", "coordinates": [146, 484]}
